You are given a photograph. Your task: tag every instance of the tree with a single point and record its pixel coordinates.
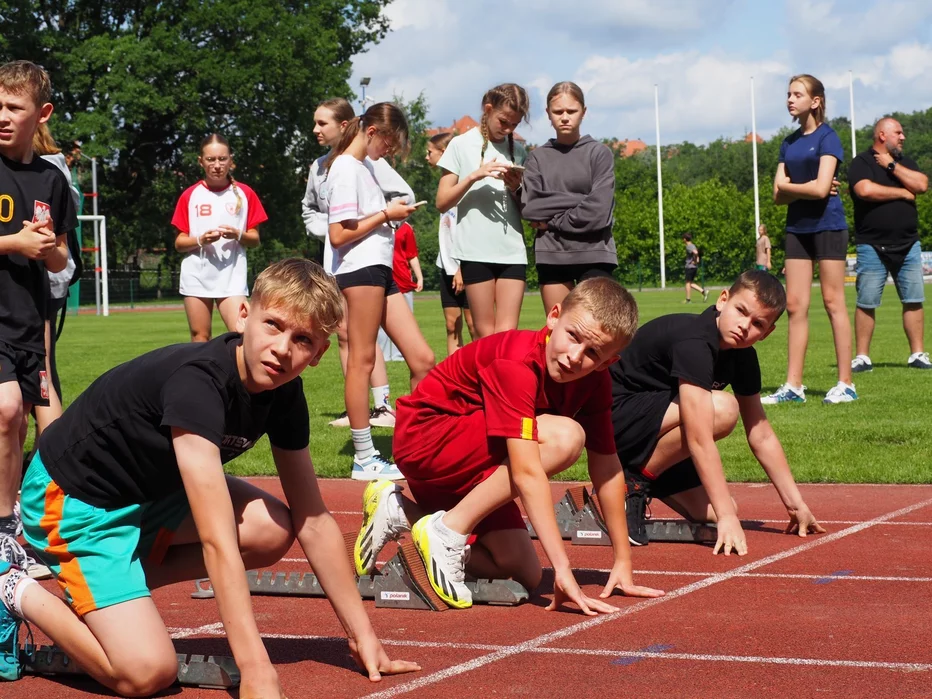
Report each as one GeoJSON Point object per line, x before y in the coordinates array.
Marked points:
{"type": "Point", "coordinates": [140, 85]}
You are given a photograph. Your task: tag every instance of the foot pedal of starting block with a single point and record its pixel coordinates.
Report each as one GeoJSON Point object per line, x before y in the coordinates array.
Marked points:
{"type": "Point", "coordinates": [679, 530]}
{"type": "Point", "coordinates": [566, 512]}
{"type": "Point", "coordinates": [589, 528]}
{"type": "Point", "coordinates": [283, 584]}
{"type": "Point", "coordinates": [206, 671]}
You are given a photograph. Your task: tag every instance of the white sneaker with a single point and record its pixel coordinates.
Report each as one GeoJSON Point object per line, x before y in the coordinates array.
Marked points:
{"type": "Point", "coordinates": [381, 416]}
{"type": "Point", "coordinates": [446, 564]}
{"type": "Point", "coordinates": [840, 393]}
{"type": "Point", "coordinates": [381, 502]}
{"type": "Point", "coordinates": [860, 364]}
{"type": "Point", "coordinates": [919, 360]}
{"type": "Point", "coordinates": [13, 553]}
{"type": "Point", "coordinates": [341, 421]}
{"type": "Point", "coordinates": [374, 467]}
{"type": "Point", "coordinates": [785, 394]}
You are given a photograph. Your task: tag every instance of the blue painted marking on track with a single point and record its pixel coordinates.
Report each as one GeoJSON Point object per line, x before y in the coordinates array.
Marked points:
{"type": "Point", "coordinates": [632, 659]}
{"type": "Point", "coordinates": [832, 576]}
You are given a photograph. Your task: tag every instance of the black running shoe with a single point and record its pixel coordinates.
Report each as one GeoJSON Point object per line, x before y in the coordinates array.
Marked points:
{"type": "Point", "coordinates": [636, 510]}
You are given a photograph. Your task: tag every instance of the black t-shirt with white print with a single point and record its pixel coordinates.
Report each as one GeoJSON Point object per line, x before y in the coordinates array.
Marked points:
{"type": "Point", "coordinates": [683, 346]}
{"type": "Point", "coordinates": [113, 445]}
{"type": "Point", "coordinates": [29, 192]}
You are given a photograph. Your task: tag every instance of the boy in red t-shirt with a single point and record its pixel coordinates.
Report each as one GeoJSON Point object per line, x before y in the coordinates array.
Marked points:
{"type": "Point", "coordinates": [404, 261]}
{"type": "Point", "coordinates": [495, 421]}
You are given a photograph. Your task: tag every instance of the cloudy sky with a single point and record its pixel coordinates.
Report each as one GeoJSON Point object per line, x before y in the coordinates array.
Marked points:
{"type": "Point", "coordinates": [701, 54]}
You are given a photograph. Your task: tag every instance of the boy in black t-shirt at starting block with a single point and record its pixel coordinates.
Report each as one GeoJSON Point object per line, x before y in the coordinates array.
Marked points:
{"type": "Point", "coordinates": [669, 408]}
{"type": "Point", "coordinates": [127, 493]}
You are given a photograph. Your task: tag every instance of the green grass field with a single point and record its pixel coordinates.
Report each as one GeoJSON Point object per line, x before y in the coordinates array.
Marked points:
{"type": "Point", "coordinates": [878, 439]}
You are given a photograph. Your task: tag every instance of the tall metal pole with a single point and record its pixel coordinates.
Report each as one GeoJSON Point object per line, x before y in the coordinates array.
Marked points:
{"type": "Point", "coordinates": [854, 144]}
{"type": "Point", "coordinates": [96, 235]}
{"type": "Point", "coordinates": [663, 255]}
{"type": "Point", "coordinates": [754, 157]}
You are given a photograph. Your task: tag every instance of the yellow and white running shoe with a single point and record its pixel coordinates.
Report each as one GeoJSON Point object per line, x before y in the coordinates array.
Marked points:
{"type": "Point", "coordinates": [378, 525]}
{"type": "Point", "coordinates": [445, 564]}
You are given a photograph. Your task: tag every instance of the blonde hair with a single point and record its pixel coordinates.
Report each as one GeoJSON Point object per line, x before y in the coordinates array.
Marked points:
{"type": "Point", "coordinates": [43, 143]}
{"type": "Point", "coordinates": [217, 138]}
{"type": "Point", "coordinates": [609, 303]}
{"type": "Point", "coordinates": [24, 77]}
{"type": "Point", "coordinates": [387, 119]}
{"type": "Point", "coordinates": [566, 88]}
{"type": "Point", "coordinates": [815, 88]}
{"type": "Point", "coordinates": [302, 290]}
{"type": "Point", "coordinates": [440, 141]}
{"type": "Point", "coordinates": [341, 109]}
{"type": "Point", "coordinates": [504, 96]}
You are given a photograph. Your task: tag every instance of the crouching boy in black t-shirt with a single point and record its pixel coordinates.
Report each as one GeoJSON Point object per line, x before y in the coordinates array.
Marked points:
{"type": "Point", "coordinates": [127, 493]}
{"type": "Point", "coordinates": [669, 408]}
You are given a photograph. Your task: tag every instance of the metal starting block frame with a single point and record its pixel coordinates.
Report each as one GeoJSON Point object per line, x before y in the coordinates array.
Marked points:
{"type": "Point", "coordinates": [206, 671]}
{"type": "Point", "coordinates": [394, 587]}
{"type": "Point", "coordinates": [580, 521]}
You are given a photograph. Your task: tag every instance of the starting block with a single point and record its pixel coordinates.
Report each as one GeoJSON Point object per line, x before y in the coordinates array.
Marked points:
{"type": "Point", "coordinates": [580, 520]}
{"type": "Point", "coordinates": [205, 671]}
{"type": "Point", "coordinates": [402, 583]}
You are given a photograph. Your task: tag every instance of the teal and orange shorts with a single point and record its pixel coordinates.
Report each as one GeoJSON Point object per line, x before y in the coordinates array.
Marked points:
{"type": "Point", "coordinates": [97, 554]}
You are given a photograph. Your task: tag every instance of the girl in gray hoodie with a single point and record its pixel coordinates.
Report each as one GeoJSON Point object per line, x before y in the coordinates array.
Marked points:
{"type": "Point", "coordinates": [568, 196]}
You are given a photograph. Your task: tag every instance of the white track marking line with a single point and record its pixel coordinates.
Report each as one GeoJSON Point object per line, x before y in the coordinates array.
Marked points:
{"type": "Point", "coordinates": [212, 630]}
{"type": "Point", "coordinates": [592, 622]}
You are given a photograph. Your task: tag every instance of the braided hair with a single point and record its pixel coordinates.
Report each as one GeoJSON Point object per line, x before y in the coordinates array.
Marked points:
{"type": "Point", "coordinates": [217, 138]}
{"type": "Point", "coordinates": [504, 96]}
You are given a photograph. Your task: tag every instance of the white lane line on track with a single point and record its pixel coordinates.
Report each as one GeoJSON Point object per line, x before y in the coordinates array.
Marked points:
{"type": "Point", "coordinates": [212, 630]}
{"type": "Point", "coordinates": [592, 622]}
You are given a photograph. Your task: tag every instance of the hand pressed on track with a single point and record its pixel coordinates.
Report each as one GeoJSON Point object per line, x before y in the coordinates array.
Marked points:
{"type": "Point", "coordinates": [803, 522]}
{"type": "Point", "coordinates": [730, 537]}
{"type": "Point", "coordinates": [374, 661]}
{"type": "Point", "coordinates": [566, 589]}
{"type": "Point", "coordinates": [620, 578]}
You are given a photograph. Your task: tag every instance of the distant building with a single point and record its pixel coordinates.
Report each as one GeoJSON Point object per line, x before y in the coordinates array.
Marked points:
{"type": "Point", "coordinates": [628, 147]}
{"type": "Point", "coordinates": [461, 126]}
{"type": "Point", "coordinates": [750, 137]}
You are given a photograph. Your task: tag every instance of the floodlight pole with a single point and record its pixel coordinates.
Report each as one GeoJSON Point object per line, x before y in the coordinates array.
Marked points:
{"type": "Point", "coordinates": [663, 256]}
{"type": "Point", "coordinates": [754, 157]}
{"type": "Point", "coordinates": [854, 145]}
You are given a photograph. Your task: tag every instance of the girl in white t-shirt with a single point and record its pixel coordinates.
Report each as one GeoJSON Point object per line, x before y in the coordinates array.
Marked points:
{"type": "Point", "coordinates": [330, 121]}
{"type": "Point", "coordinates": [452, 292]}
{"type": "Point", "coordinates": [217, 219]}
{"type": "Point", "coordinates": [481, 180]}
{"type": "Point", "coordinates": [362, 237]}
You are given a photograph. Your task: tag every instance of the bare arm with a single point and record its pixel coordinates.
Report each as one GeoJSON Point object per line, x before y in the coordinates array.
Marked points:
{"type": "Point", "coordinates": [57, 259]}
{"type": "Point", "coordinates": [452, 188]}
{"type": "Point", "coordinates": [915, 181]}
{"type": "Point", "coordinates": [349, 231]}
{"type": "Point", "coordinates": [871, 191]}
{"type": "Point", "coordinates": [418, 274]}
{"type": "Point", "coordinates": [322, 542]}
{"type": "Point", "coordinates": [781, 198]}
{"type": "Point", "coordinates": [818, 188]}
{"type": "Point", "coordinates": [769, 453]}
{"type": "Point", "coordinates": [206, 489]}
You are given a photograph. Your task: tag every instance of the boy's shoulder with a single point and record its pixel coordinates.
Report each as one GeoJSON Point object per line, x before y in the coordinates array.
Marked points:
{"type": "Point", "coordinates": [675, 328]}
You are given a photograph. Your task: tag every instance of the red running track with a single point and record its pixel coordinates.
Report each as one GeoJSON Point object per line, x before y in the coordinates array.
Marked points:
{"type": "Point", "coordinates": [838, 615]}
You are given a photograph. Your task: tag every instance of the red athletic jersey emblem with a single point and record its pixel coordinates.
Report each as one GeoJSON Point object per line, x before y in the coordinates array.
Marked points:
{"type": "Point", "coordinates": [231, 209]}
{"type": "Point", "coordinates": [41, 212]}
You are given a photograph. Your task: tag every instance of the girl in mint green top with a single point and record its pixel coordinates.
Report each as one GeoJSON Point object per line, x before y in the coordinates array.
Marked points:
{"type": "Point", "coordinates": [480, 179]}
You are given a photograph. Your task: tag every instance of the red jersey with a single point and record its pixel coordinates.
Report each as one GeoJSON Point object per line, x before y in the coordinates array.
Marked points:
{"type": "Point", "coordinates": [405, 249]}
{"type": "Point", "coordinates": [505, 376]}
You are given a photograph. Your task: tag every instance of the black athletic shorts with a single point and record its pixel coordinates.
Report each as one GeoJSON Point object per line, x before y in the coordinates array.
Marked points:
{"type": "Point", "coordinates": [376, 275]}
{"type": "Point", "coordinates": [572, 274]}
{"type": "Point", "coordinates": [824, 245]}
{"type": "Point", "coordinates": [476, 272]}
{"type": "Point", "coordinates": [447, 298]}
{"type": "Point", "coordinates": [691, 273]}
{"type": "Point", "coordinates": [28, 370]}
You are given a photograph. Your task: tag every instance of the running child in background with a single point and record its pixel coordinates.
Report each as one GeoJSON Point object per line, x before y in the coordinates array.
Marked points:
{"type": "Point", "coordinates": [452, 294]}
{"type": "Point", "coordinates": [330, 121]}
{"type": "Point", "coordinates": [36, 213]}
{"type": "Point", "coordinates": [670, 407]}
{"type": "Point", "coordinates": [691, 268]}
{"type": "Point", "coordinates": [404, 262]}
{"type": "Point", "coordinates": [494, 421]}
{"type": "Point", "coordinates": [217, 219]}
{"type": "Point", "coordinates": [816, 231]}
{"type": "Point", "coordinates": [137, 461]}
{"type": "Point", "coordinates": [362, 240]}
{"type": "Point", "coordinates": [568, 195]}
{"type": "Point", "coordinates": [481, 180]}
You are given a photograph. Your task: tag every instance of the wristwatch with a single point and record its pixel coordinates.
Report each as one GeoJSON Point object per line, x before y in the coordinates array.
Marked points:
{"type": "Point", "coordinates": [891, 167]}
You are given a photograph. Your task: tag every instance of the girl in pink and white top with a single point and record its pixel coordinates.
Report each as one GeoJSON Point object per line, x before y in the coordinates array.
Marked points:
{"type": "Point", "coordinates": [217, 219]}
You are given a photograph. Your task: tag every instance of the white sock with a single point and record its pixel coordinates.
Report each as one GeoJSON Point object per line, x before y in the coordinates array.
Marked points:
{"type": "Point", "coordinates": [396, 514]}
{"type": "Point", "coordinates": [362, 441]}
{"type": "Point", "coordinates": [380, 396]}
{"type": "Point", "coordinates": [914, 355]}
{"type": "Point", "coordinates": [864, 357]}
{"type": "Point", "coordinates": [448, 535]}
{"type": "Point", "coordinates": [798, 389]}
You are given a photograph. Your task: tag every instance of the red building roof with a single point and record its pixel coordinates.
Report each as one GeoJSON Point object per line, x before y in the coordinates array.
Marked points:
{"type": "Point", "coordinates": [461, 126]}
